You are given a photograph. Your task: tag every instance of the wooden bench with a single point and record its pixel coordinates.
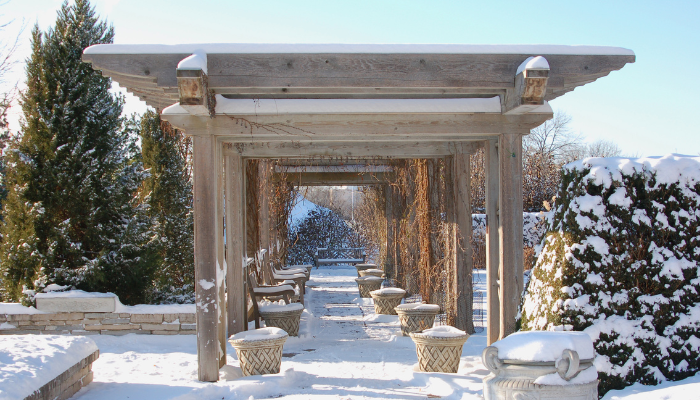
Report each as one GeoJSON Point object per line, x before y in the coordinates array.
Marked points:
{"type": "Point", "coordinates": [341, 255]}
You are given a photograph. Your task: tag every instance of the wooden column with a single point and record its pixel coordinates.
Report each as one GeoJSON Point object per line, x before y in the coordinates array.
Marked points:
{"type": "Point", "coordinates": [205, 256]}
{"type": "Point", "coordinates": [264, 198]}
{"type": "Point", "coordinates": [493, 316]}
{"type": "Point", "coordinates": [390, 262]}
{"type": "Point", "coordinates": [510, 228]}
{"type": "Point", "coordinates": [220, 256]}
{"type": "Point", "coordinates": [462, 241]}
{"type": "Point", "coordinates": [235, 243]}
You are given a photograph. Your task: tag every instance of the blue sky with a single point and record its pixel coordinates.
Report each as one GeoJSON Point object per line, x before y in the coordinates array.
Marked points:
{"type": "Point", "coordinates": [647, 108]}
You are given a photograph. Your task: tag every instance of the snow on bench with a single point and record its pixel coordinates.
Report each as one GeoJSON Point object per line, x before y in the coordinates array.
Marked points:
{"type": "Point", "coordinates": [45, 367]}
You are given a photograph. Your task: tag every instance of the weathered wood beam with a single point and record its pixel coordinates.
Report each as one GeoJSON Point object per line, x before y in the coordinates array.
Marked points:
{"type": "Point", "coordinates": [205, 239]}
{"type": "Point", "coordinates": [510, 228]}
{"type": "Point", "coordinates": [333, 178]}
{"type": "Point", "coordinates": [193, 88]}
{"type": "Point", "coordinates": [220, 254]}
{"type": "Point", "coordinates": [355, 127]}
{"type": "Point", "coordinates": [530, 87]}
{"type": "Point", "coordinates": [341, 149]}
{"type": "Point", "coordinates": [235, 243]}
{"type": "Point", "coordinates": [462, 241]}
{"type": "Point", "coordinates": [492, 239]}
{"type": "Point", "coordinates": [264, 170]}
{"type": "Point", "coordinates": [390, 261]}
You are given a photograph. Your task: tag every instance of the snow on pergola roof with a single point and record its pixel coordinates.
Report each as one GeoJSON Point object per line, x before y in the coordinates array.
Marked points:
{"type": "Point", "coordinates": [345, 71]}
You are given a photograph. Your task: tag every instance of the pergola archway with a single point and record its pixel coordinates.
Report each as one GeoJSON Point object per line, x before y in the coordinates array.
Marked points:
{"type": "Point", "coordinates": [248, 101]}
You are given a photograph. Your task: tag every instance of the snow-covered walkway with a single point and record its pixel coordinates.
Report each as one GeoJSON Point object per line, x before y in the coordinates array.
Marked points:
{"type": "Point", "coordinates": [345, 351]}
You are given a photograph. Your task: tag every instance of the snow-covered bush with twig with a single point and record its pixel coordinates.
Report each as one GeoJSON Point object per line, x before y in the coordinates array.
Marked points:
{"type": "Point", "coordinates": [621, 262]}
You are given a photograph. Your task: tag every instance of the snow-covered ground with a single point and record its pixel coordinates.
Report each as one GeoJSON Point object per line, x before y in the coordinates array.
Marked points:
{"type": "Point", "coordinates": [345, 352]}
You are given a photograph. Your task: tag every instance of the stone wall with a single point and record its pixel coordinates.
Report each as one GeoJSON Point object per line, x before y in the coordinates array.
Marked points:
{"type": "Point", "coordinates": [85, 323]}
{"type": "Point", "coordinates": [68, 383]}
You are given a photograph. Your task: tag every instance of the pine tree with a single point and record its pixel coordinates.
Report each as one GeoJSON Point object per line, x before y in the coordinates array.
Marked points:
{"type": "Point", "coordinates": [70, 216]}
{"type": "Point", "coordinates": [168, 193]}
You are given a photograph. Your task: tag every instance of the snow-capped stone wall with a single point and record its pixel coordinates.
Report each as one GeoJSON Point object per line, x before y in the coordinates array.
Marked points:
{"type": "Point", "coordinates": [621, 262]}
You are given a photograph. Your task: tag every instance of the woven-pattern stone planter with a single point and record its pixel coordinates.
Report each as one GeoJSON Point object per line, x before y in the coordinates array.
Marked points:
{"type": "Point", "coordinates": [367, 284]}
{"type": "Point", "coordinates": [259, 351]}
{"type": "Point", "coordinates": [362, 267]}
{"type": "Point", "coordinates": [439, 353]}
{"type": "Point", "coordinates": [563, 377]}
{"type": "Point", "coordinates": [371, 272]}
{"type": "Point", "coordinates": [385, 300]}
{"type": "Point", "coordinates": [284, 317]}
{"type": "Point", "coordinates": [416, 317]}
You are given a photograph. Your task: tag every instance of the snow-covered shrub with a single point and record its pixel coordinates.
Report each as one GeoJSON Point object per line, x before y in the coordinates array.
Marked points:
{"type": "Point", "coordinates": [620, 261]}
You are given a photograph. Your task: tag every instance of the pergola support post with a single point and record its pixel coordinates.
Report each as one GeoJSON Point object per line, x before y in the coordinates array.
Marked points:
{"type": "Point", "coordinates": [220, 254]}
{"type": "Point", "coordinates": [493, 306]}
{"type": "Point", "coordinates": [510, 228]}
{"type": "Point", "coordinates": [206, 232]}
{"type": "Point", "coordinates": [264, 176]}
{"type": "Point", "coordinates": [390, 262]}
{"type": "Point", "coordinates": [235, 243]}
{"type": "Point", "coordinates": [464, 264]}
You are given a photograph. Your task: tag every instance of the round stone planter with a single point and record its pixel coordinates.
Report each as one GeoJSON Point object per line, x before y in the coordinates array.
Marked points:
{"type": "Point", "coordinates": [563, 377]}
{"type": "Point", "coordinates": [386, 299]}
{"type": "Point", "coordinates": [362, 267]}
{"type": "Point", "coordinates": [367, 284]}
{"type": "Point", "coordinates": [439, 349]}
{"type": "Point", "coordinates": [285, 317]}
{"type": "Point", "coordinates": [259, 351]}
{"type": "Point", "coordinates": [416, 317]}
{"type": "Point", "coordinates": [372, 272]}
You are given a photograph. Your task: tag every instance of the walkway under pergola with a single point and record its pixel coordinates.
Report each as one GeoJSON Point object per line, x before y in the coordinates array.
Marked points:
{"type": "Point", "coordinates": [305, 102]}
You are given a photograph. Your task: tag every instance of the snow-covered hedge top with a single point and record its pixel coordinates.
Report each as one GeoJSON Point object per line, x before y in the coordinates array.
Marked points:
{"type": "Point", "coordinates": [273, 307]}
{"type": "Point", "coordinates": [17, 308]}
{"type": "Point", "coordinates": [369, 278]}
{"type": "Point", "coordinates": [418, 307]}
{"type": "Point", "coordinates": [388, 290]}
{"type": "Point", "coordinates": [28, 362]}
{"type": "Point", "coordinates": [668, 169]}
{"type": "Point", "coordinates": [444, 331]}
{"type": "Point", "coordinates": [73, 294]}
{"type": "Point", "coordinates": [544, 345]}
{"type": "Point", "coordinates": [260, 334]}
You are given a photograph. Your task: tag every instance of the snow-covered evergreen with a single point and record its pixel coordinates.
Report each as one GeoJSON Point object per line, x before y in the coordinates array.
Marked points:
{"type": "Point", "coordinates": [168, 193]}
{"type": "Point", "coordinates": [70, 216]}
{"type": "Point", "coordinates": [621, 261]}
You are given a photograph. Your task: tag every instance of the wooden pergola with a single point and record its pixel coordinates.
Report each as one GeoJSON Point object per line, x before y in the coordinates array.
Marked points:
{"type": "Point", "coordinates": [304, 102]}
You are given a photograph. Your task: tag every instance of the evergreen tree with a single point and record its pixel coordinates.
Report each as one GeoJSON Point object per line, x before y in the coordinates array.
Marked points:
{"type": "Point", "coordinates": [168, 193]}
{"type": "Point", "coordinates": [70, 216]}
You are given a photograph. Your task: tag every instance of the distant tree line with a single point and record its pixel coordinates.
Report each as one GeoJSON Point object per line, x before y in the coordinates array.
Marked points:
{"type": "Point", "coordinates": [88, 206]}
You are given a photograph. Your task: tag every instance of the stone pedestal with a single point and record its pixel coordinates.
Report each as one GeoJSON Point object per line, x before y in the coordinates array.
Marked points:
{"type": "Point", "coordinates": [372, 272]}
{"type": "Point", "coordinates": [416, 317]}
{"type": "Point", "coordinates": [362, 267]}
{"type": "Point", "coordinates": [513, 379]}
{"type": "Point", "coordinates": [260, 350]}
{"type": "Point", "coordinates": [385, 300]}
{"type": "Point", "coordinates": [287, 320]}
{"type": "Point", "coordinates": [367, 284]}
{"type": "Point", "coordinates": [438, 354]}
{"type": "Point", "coordinates": [76, 301]}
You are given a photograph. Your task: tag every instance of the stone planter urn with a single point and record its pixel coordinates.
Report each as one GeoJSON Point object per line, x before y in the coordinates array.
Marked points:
{"type": "Point", "coordinates": [367, 284]}
{"type": "Point", "coordinates": [372, 272]}
{"type": "Point", "coordinates": [386, 299]}
{"type": "Point", "coordinates": [260, 350]}
{"type": "Point", "coordinates": [285, 317]}
{"type": "Point", "coordinates": [362, 267]}
{"type": "Point", "coordinates": [541, 365]}
{"type": "Point", "coordinates": [439, 349]}
{"type": "Point", "coordinates": [416, 317]}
